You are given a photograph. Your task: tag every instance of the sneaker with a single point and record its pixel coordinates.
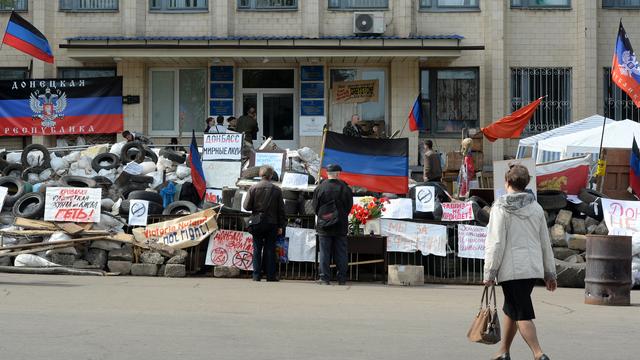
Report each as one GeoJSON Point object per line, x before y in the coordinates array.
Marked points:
{"type": "Point", "coordinates": [323, 282]}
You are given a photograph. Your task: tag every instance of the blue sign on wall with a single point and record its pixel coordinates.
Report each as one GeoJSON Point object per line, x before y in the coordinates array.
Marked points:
{"type": "Point", "coordinates": [222, 90]}
{"type": "Point", "coordinates": [221, 107]}
{"type": "Point", "coordinates": [312, 90]}
{"type": "Point", "coordinates": [312, 107]}
{"type": "Point", "coordinates": [312, 73]}
{"type": "Point", "coordinates": [222, 73]}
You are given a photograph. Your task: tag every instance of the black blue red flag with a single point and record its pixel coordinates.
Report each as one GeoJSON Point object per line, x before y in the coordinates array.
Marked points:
{"type": "Point", "coordinates": [379, 165]}
{"type": "Point", "coordinates": [195, 163]}
{"type": "Point", "coordinates": [625, 71]}
{"type": "Point", "coordinates": [20, 34]}
{"type": "Point", "coordinates": [415, 116]}
{"type": "Point", "coordinates": [634, 168]}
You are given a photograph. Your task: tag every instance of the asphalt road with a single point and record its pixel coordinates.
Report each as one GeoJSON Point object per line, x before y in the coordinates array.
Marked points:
{"type": "Point", "coordinates": [63, 317]}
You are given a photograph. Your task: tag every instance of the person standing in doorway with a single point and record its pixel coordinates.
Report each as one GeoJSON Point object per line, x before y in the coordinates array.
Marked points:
{"type": "Point", "coordinates": [352, 128]}
{"type": "Point", "coordinates": [267, 221]}
{"type": "Point", "coordinates": [332, 202]}
{"type": "Point", "coordinates": [209, 124]}
{"type": "Point", "coordinates": [432, 167]}
{"type": "Point", "coordinates": [517, 253]}
{"type": "Point", "coordinates": [248, 124]}
{"type": "Point", "coordinates": [231, 123]}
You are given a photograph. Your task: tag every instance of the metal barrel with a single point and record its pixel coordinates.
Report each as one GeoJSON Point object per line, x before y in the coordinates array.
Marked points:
{"type": "Point", "coordinates": [608, 275]}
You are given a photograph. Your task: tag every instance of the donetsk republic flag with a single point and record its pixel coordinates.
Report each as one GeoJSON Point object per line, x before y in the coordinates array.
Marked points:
{"type": "Point", "coordinates": [379, 165]}
{"type": "Point", "coordinates": [625, 71]}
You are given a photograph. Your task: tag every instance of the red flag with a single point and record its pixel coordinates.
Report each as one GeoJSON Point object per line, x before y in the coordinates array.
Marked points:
{"type": "Point", "coordinates": [568, 175]}
{"type": "Point", "coordinates": [511, 126]}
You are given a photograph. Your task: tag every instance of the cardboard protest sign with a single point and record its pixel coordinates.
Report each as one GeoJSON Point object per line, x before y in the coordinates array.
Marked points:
{"type": "Point", "coordinates": [622, 217]}
{"type": "Point", "coordinates": [219, 174]}
{"type": "Point", "coordinates": [3, 195]}
{"type": "Point", "coordinates": [230, 248]}
{"type": "Point", "coordinates": [271, 158]}
{"type": "Point", "coordinates": [398, 209]}
{"type": "Point", "coordinates": [471, 240]}
{"type": "Point", "coordinates": [226, 146]}
{"type": "Point", "coordinates": [462, 211]}
{"type": "Point", "coordinates": [138, 212]}
{"type": "Point", "coordinates": [213, 196]}
{"type": "Point", "coordinates": [71, 204]}
{"type": "Point", "coordinates": [295, 181]}
{"type": "Point", "coordinates": [180, 233]}
{"type": "Point", "coordinates": [354, 92]}
{"type": "Point", "coordinates": [425, 198]}
{"type": "Point", "coordinates": [405, 236]}
{"type": "Point", "coordinates": [133, 168]}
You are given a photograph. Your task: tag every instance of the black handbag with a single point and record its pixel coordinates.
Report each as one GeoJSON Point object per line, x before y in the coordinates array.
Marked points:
{"type": "Point", "coordinates": [258, 218]}
{"type": "Point", "coordinates": [327, 215]}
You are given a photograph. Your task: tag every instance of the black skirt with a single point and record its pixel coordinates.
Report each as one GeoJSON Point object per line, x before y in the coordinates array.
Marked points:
{"type": "Point", "coordinates": [517, 299]}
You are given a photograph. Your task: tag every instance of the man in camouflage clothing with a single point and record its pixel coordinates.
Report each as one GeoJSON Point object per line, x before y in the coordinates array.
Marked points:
{"type": "Point", "coordinates": [352, 128]}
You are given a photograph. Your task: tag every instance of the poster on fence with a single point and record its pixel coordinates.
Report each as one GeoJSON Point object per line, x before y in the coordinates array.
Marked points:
{"type": "Point", "coordinates": [180, 233]}
{"type": "Point", "coordinates": [398, 209]}
{"type": "Point", "coordinates": [230, 248]}
{"type": "Point", "coordinates": [70, 204]}
{"type": "Point", "coordinates": [425, 198]}
{"type": "Point", "coordinates": [406, 236]}
{"type": "Point", "coordinates": [471, 241]}
{"type": "Point", "coordinates": [462, 211]}
{"type": "Point", "coordinates": [226, 146]}
{"type": "Point", "coordinates": [302, 244]}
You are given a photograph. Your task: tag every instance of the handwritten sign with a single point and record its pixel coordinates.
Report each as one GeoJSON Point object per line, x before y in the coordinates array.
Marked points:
{"type": "Point", "coordinates": [71, 204]}
{"type": "Point", "coordinates": [406, 236]}
{"type": "Point", "coordinates": [3, 195]}
{"type": "Point", "coordinates": [220, 174]}
{"type": "Point", "coordinates": [295, 181]}
{"type": "Point", "coordinates": [138, 212]}
{"type": "Point", "coordinates": [622, 217]}
{"type": "Point", "coordinates": [213, 196]}
{"type": "Point", "coordinates": [462, 211]}
{"type": "Point", "coordinates": [425, 198]}
{"type": "Point", "coordinates": [230, 248]}
{"type": "Point", "coordinates": [180, 233]}
{"type": "Point", "coordinates": [471, 241]}
{"type": "Point", "coordinates": [222, 147]}
{"type": "Point", "coordinates": [273, 159]}
{"type": "Point", "coordinates": [302, 244]}
{"type": "Point", "coordinates": [354, 92]}
{"type": "Point", "coordinates": [398, 209]}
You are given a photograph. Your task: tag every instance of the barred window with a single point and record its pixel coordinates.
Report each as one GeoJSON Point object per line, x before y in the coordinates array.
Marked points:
{"type": "Point", "coordinates": [88, 5]}
{"type": "Point", "coordinates": [10, 5]}
{"type": "Point", "coordinates": [84, 73]}
{"type": "Point", "coordinates": [541, 4]}
{"type": "Point", "coordinates": [358, 4]}
{"type": "Point", "coordinates": [617, 104]}
{"type": "Point", "coordinates": [528, 84]}
{"type": "Point", "coordinates": [13, 73]}
{"type": "Point", "coordinates": [629, 4]}
{"type": "Point", "coordinates": [449, 5]}
{"type": "Point", "coordinates": [268, 4]}
{"type": "Point", "coordinates": [179, 5]}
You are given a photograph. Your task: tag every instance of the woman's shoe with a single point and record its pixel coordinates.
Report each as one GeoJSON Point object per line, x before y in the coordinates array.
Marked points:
{"type": "Point", "coordinates": [544, 357]}
{"type": "Point", "coordinates": [504, 356]}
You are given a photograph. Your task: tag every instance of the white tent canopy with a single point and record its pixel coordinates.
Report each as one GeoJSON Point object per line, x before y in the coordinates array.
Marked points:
{"type": "Point", "coordinates": [618, 134]}
{"type": "Point", "coordinates": [594, 121]}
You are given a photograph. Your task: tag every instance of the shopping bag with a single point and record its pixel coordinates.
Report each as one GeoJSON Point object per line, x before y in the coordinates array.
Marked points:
{"type": "Point", "coordinates": [485, 328]}
{"type": "Point", "coordinates": [282, 249]}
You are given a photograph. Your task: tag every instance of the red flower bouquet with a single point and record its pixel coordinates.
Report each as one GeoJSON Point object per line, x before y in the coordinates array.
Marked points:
{"type": "Point", "coordinates": [366, 209]}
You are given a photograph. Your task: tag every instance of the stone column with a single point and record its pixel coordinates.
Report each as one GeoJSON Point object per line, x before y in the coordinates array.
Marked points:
{"type": "Point", "coordinates": [585, 75]}
{"type": "Point", "coordinates": [44, 13]}
{"type": "Point", "coordinates": [403, 13]}
{"type": "Point", "coordinates": [404, 86]}
{"type": "Point", "coordinates": [310, 17]}
{"type": "Point", "coordinates": [133, 78]}
{"type": "Point", "coordinates": [497, 70]}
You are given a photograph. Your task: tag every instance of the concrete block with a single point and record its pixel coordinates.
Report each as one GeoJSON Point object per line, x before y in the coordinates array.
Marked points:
{"type": "Point", "coordinates": [578, 225]}
{"type": "Point", "coordinates": [175, 270]}
{"type": "Point", "coordinates": [602, 229]}
{"type": "Point", "coordinates": [578, 242]}
{"type": "Point", "coordinates": [151, 257]}
{"type": "Point", "coordinates": [123, 254]}
{"type": "Point", "coordinates": [564, 218]}
{"type": "Point", "coordinates": [557, 235]}
{"type": "Point", "coordinates": [563, 252]}
{"type": "Point", "coordinates": [406, 275]}
{"type": "Point", "coordinates": [144, 269]}
{"type": "Point", "coordinates": [589, 221]}
{"type": "Point", "coordinates": [122, 267]}
{"type": "Point", "coordinates": [62, 259]}
{"type": "Point", "coordinates": [226, 272]}
{"type": "Point", "coordinates": [97, 257]}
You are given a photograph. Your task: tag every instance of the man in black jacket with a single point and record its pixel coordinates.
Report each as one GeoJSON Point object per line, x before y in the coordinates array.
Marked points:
{"type": "Point", "coordinates": [265, 199]}
{"type": "Point", "coordinates": [333, 239]}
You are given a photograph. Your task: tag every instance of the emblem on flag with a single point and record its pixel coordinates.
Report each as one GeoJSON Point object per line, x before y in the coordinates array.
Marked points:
{"type": "Point", "coordinates": [48, 107]}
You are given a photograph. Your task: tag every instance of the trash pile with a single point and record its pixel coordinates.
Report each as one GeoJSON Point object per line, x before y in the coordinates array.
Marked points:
{"type": "Point", "coordinates": [123, 171]}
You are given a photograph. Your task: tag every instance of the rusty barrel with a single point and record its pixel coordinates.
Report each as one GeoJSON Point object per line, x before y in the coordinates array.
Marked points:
{"type": "Point", "coordinates": [608, 275]}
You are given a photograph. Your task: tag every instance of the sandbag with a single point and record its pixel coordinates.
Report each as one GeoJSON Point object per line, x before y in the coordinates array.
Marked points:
{"type": "Point", "coordinates": [34, 158]}
{"type": "Point", "coordinates": [57, 237]}
{"type": "Point", "coordinates": [14, 157]}
{"type": "Point", "coordinates": [164, 164]}
{"type": "Point", "coordinates": [117, 148]}
{"type": "Point", "coordinates": [58, 164]}
{"type": "Point", "coordinates": [31, 260]}
{"type": "Point", "coordinates": [157, 178]}
{"type": "Point", "coordinates": [72, 157]}
{"type": "Point", "coordinates": [147, 167]}
{"type": "Point", "coordinates": [45, 175]}
{"type": "Point", "coordinates": [183, 171]}
{"type": "Point", "coordinates": [110, 174]}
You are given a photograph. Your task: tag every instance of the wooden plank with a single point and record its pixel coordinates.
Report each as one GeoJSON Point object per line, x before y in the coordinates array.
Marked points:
{"type": "Point", "coordinates": [117, 237]}
{"type": "Point", "coordinates": [70, 228]}
{"type": "Point", "coordinates": [34, 224]}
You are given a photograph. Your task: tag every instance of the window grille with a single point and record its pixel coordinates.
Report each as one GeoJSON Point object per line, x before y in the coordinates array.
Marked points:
{"type": "Point", "coordinates": [17, 5]}
{"type": "Point", "coordinates": [541, 4]}
{"type": "Point", "coordinates": [179, 5]}
{"type": "Point", "coordinates": [88, 5]}
{"type": "Point", "coordinates": [449, 4]}
{"type": "Point", "coordinates": [268, 4]}
{"type": "Point", "coordinates": [358, 4]}
{"type": "Point", "coordinates": [630, 4]}
{"type": "Point", "coordinates": [617, 104]}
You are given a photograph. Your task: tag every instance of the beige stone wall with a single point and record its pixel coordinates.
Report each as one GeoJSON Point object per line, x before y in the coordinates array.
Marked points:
{"type": "Point", "coordinates": [134, 82]}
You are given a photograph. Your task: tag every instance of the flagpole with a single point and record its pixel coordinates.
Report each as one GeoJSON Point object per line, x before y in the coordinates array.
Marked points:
{"type": "Point", "coordinates": [600, 171]}
{"type": "Point", "coordinates": [405, 124]}
{"type": "Point", "coordinates": [324, 139]}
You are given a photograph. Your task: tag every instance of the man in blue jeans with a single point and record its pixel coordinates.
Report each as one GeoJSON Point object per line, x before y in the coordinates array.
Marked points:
{"type": "Point", "coordinates": [333, 196]}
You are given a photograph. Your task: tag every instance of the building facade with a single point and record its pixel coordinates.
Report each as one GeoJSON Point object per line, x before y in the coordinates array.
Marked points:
{"type": "Point", "coordinates": [472, 61]}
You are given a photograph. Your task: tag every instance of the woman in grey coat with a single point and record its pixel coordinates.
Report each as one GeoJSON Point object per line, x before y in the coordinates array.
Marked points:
{"type": "Point", "coordinates": [517, 253]}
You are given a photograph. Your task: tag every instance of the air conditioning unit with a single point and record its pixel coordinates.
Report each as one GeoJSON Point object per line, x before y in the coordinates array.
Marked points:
{"type": "Point", "coordinates": [368, 23]}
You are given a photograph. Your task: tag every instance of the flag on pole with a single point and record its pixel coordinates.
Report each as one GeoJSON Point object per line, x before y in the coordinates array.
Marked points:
{"type": "Point", "coordinates": [634, 168]}
{"type": "Point", "coordinates": [569, 175]}
{"type": "Point", "coordinates": [415, 116]}
{"type": "Point", "coordinates": [379, 165]}
{"type": "Point", "coordinates": [23, 36]}
{"type": "Point", "coordinates": [197, 174]}
{"type": "Point", "coordinates": [625, 71]}
{"type": "Point", "coordinates": [512, 125]}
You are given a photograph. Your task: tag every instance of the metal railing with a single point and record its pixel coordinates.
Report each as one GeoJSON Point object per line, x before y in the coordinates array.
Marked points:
{"type": "Point", "coordinates": [617, 104]}
{"type": "Point", "coordinates": [88, 5]}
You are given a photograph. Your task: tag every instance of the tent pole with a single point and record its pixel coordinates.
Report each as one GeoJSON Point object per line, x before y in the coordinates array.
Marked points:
{"type": "Point", "coordinates": [324, 139]}
{"type": "Point", "coordinates": [600, 176]}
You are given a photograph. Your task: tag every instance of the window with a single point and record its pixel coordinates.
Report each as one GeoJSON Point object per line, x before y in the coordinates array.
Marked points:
{"type": "Point", "coordinates": [10, 5]}
{"type": "Point", "coordinates": [449, 5]}
{"type": "Point", "coordinates": [617, 104]}
{"type": "Point", "coordinates": [268, 4]}
{"type": "Point", "coordinates": [88, 5]}
{"type": "Point", "coordinates": [178, 100]}
{"type": "Point", "coordinates": [267, 78]}
{"type": "Point", "coordinates": [358, 4]}
{"type": "Point", "coordinates": [630, 4]}
{"type": "Point", "coordinates": [541, 4]}
{"type": "Point", "coordinates": [368, 111]}
{"type": "Point", "coordinates": [13, 73]}
{"type": "Point", "coordinates": [83, 73]}
{"type": "Point", "coordinates": [450, 99]}
{"type": "Point", "coordinates": [528, 84]}
{"type": "Point", "coordinates": [179, 5]}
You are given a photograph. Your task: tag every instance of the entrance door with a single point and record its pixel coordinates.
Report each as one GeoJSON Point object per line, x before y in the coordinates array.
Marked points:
{"type": "Point", "coordinates": [274, 103]}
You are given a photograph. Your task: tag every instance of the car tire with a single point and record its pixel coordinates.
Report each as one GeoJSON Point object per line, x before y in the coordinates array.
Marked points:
{"type": "Point", "coordinates": [32, 170]}
{"type": "Point", "coordinates": [145, 195]}
{"type": "Point", "coordinates": [480, 215]}
{"type": "Point", "coordinates": [250, 172]}
{"type": "Point", "coordinates": [15, 184]}
{"type": "Point", "coordinates": [589, 196]}
{"type": "Point", "coordinates": [180, 207]}
{"type": "Point", "coordinates": [291, 207]}
{"type": "Point", "coordinates": [113, 159]}
{"type": "Point", "coordinates": [77, 181]}
{"type": "Point", "coordinates": [30, 206]}
{"type": "Point", "coordinates": [291, 195]}
{"type": "Point", "coordinates": [13, 168]}
{"type": "Point", "coordinates": [150, 154]}
{"type": "Point", "coordinates": [3, 160]}
{"type": "Point", "coordinates": [46, 158]}
{"type": "Point", "coordinates": [227, 196]}
{"type": "Point", "coordinates": [552, 199]}
{"type": "Point", "coordinates": [173, 156]}
{"type": "Point", "coordinates": [140, 179]}
{"type": "Point", "coordinates": [138, 156]}
{"type": "Point", "coordinates": [127, 190]}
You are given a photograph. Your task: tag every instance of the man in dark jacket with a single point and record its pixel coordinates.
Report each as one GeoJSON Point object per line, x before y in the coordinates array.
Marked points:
{"type": "Point", "coordinates": [333, 239]}
{"type": "Point", "coordinates": [265, 199]}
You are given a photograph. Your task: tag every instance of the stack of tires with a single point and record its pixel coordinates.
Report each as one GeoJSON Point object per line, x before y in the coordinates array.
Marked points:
{"type": "Point", "coordinates": [440, 197]}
